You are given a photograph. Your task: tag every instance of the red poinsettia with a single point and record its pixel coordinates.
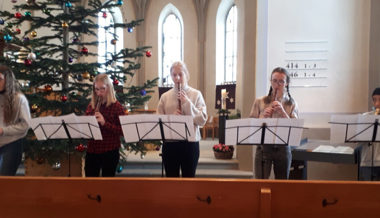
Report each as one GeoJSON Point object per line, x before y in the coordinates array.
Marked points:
{"type": "Point", "coordinates": [223, 148]}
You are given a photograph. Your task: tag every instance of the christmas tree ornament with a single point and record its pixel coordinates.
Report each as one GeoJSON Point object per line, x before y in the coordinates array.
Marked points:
{"type": "Point", "coordinates": [65, 25]}
{"type": "Point", "coordinates": [148, 53]}
{"type": "Point", "coordinates": [7, 38]}
{"type": "Point", "coordinates": [92, 77]}
{"type": "Point", "coordinates": [26, 39]}
{"type": "Point", "coordinates": [80, 148]}
{"type": "Point", "coordinates": [70, 60]}
{"type": "Point", "coordinates": [104, 14]}
{"type": "Point", "coordinates": [48, 88]}
{"type": "Point", "coordinates": [34, 108]}
{"type": "Point", "coordinates": [79, 78]}
{"type": "Point", "coordinates": [14, 1]}
{"type": "Point", "coordinates": [86, 75]}
{"type": "Point", "coordinates": [130, 29]}
{"type": "Point", "coordinates": [33, 34]}
{"type": "Point", "coordinates": [28, 13]}
{"type": "Point", "coordinates": [68, 4]}
{"type": "Point", "coordinates": [17, 31]}
{"type": "Point", "coordinates": [113, 41]}
{"type": "Point", "coordinates": [119, 168]}
{"type": "Point", "coordinates": [119, 2]}
{"type": "Point", "coordinates": [1, 21]}
{"type": "Point", "coordinates": [18, 15]}
{"type": "Point", "coordinates": [56, 165]}
{"type": "Point", "coordinates": [30, 1]}
{"type": "Point", "coordinates": [75, 40]}
{"type": "Point", "coordinates": [143, 92]}
{"type": "Point", "coordinates": [27, 62]}
{"type": "Point", "coordinates": [32, 56]}
{"type": "Point", "coordinates": [115, 82]}
{"type": "Point", "coordinates": [63, 98]}
{"type": "Point", "coordinates": [158, 148]}
{"type": "Point", "coordinates": [84, 50]}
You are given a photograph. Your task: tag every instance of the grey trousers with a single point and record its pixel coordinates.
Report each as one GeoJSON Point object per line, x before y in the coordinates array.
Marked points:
{"type": "Point", "coordinates": [278, 156]}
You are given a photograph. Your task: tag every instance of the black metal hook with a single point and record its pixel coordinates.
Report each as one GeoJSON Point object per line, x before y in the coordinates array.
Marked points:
{"type": "Point", "coordinates": [207, 200]}
{"type": "Point", "coordinates": [97, 198]}
{"type": "Point", "coordinates": [326, 203]}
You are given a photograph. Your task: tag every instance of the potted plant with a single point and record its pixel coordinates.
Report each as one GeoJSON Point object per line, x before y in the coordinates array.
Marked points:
{"type": "Point", "coordinates": [222, 151]}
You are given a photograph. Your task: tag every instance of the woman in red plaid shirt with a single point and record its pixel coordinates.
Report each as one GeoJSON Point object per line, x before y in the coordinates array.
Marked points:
{"type": "Point", "coordinates": [104, 154]}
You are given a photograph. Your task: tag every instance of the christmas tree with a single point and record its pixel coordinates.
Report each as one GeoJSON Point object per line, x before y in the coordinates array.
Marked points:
{"type": "Point", "coordinates": [52, 60]}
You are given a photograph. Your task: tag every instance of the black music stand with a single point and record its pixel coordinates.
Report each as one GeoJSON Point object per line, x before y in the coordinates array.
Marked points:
{"type": "Point", "coordinates": [369, 139]}
{"type": "Point", "coordinates": [66, 127]}
{"type": "Point", "coordinates": [165, 128]}
{"type": "Point", "coordinates": [279, 132]}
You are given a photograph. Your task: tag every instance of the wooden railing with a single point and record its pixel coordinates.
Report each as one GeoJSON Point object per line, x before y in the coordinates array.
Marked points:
{"type": "Point", "coordinates": [165, 197]}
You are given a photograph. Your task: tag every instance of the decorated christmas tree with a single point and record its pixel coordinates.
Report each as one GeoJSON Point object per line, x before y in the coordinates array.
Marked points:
{"type": "Point", "coordinates": [51, 46]}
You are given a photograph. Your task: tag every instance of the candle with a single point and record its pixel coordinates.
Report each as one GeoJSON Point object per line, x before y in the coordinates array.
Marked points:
{"type": "Point", "coordinates": [224, 96]}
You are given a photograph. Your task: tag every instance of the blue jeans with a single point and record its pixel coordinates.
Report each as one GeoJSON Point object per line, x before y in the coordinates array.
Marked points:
{"type": "Point", "coordinates": [278, 155]}
{"type": "Point", "coordinates": [10, 157]}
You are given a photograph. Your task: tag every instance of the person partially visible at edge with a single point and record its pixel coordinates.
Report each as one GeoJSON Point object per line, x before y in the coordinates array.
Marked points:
{"type": "Point", "coordinates": [277, 104]}
{"type": "Point", "coordinates": [182, 100]}
{"type": "Point", "coordinates": [14, 113]}
{"type": "Point", "coordinates": [366, 173]}
{"type": "Point", "coordinates": [104, 154]}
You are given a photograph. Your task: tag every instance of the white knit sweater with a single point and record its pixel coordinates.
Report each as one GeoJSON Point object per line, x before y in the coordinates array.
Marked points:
{"type": "Point", "coordinates": [196, 107]}
{"type": "Point", "coordinates": [19, 126]}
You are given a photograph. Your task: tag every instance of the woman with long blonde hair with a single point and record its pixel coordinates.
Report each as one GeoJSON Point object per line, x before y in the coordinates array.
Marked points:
{"type": "Point", "coordinates": [14, 113]}
{"type": "Point", "coordinates": [104, 154]}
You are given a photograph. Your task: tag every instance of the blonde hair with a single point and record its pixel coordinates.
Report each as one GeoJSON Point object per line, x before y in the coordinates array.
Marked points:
{"type": "Point", "coordinates": [11, 90]}
{"type": "Point", "coordinates": [183, 66]}
{"type": "Point", "coordinates": [111, 98]}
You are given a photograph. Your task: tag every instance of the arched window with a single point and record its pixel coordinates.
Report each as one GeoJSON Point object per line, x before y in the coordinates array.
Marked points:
{"type": "Point", "coordinates": [230, 44]}
{"type": "Point", "coordinates": [170, 42]}
{"type": "Point", "coordinates": [226, 42]}
{"type": "Point", "coordinates": [110, 39]}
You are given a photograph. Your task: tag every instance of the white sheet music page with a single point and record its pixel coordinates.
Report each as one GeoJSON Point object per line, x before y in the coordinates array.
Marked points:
{"type": "Point", "coordinates": [51, 127]}
{"type": "Point", "coordinates": [146, 127]}
{"type": "Point", "coordinates": [278, 131]}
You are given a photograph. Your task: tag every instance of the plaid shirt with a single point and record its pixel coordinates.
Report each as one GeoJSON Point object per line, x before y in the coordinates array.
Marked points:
{"type": "Point", "coordinates": [111, 130]}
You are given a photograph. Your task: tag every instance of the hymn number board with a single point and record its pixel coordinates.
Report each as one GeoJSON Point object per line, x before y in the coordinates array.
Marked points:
{"type": "Point", "coordinates": [307, 63]}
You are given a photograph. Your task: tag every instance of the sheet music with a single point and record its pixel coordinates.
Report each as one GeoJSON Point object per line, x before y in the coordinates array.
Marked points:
{"type": "Point", "coordinates": [51, 127]}
{"type": "Point", "coordinates": [333, 149]}
{"type": "Point", "coordinates": [145, 127]}
{"type": "Point", "coordinates": [358, 127]}
{"type": "Point", "coordinates": [249, 131]}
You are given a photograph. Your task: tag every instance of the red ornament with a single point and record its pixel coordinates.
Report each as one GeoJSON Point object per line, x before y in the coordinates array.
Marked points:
{"type": "Point", "coordinates": [17, 31]}
{"type": "Point", "coordinates": [104, 14]}
{"type": "Point", "coordinates": [63, 98]}
{"type": "Point", "coordinates": [84, 50]}
{"type": "Point", "coordinates": [115, 82]}
{"type": "Point", "coordinates": [148, 53]}
{"type": "Point", "coordinates": [80, 148]}
{"type": "Point", "coordinates": [27, 62]}
{"type": "Point", "coordinates": [18, 15]}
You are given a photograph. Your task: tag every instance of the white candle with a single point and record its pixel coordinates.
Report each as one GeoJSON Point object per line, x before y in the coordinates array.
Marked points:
{"type": "Point", "coordinates": [224, 96]}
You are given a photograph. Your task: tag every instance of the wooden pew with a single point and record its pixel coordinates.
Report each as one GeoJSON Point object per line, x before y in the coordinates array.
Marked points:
{"type": "Point", "coordinates": [166, 197]}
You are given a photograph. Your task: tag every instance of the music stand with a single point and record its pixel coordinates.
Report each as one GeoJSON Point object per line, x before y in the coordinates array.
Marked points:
{"type": "Point", "coordinates": [151, 127]}
{"type": "Point", "coordinates": [66, 127]}
{"type": "Point", "coordinates": [267, 131]}
{"type": "Point", "coordinates": [357, 129]}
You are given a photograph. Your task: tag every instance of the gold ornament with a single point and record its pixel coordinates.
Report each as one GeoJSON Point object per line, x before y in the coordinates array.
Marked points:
{"type": "Point", "coordinates": [33, 34]}
{"type": "Point", "coordinates": [34, 108]}
{"type": "Point", "coordinates": [65, 25]}
{"type": "Point", "coordinates": [86, 75]}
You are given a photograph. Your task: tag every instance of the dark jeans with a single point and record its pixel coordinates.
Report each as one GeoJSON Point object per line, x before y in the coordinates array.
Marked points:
{"type": "Point", "coordinates": [107, 162]}
{"type": "Point", "coordinates": [279, 156]}
{"type": "Point", "coordinates": [10, 157]}
{"type": "Point", "coordinates": [180, 155]}
{"type": "Point", "coordinates": [365, 174]}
